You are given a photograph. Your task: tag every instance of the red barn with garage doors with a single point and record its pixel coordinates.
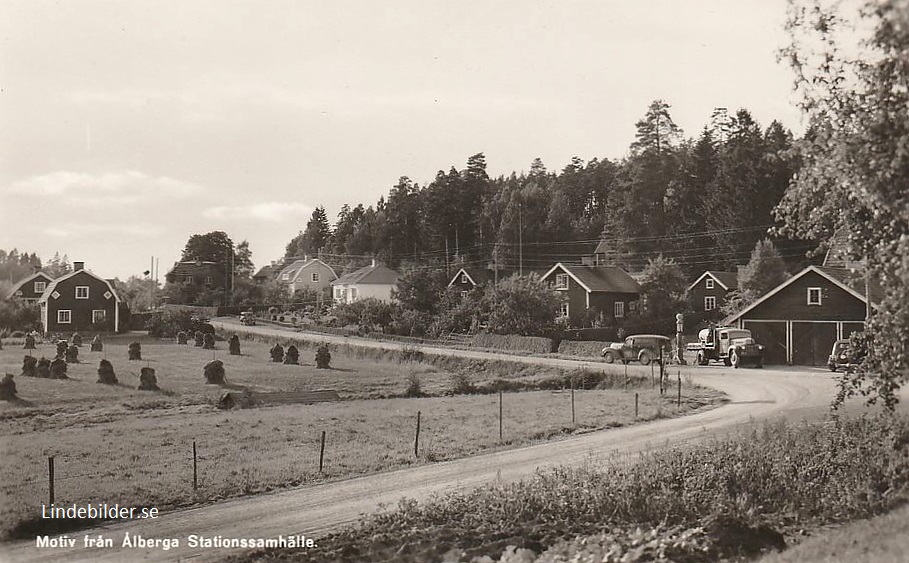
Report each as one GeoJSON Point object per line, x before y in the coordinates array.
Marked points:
{"type": "Point", "coordinates": [799, 320]}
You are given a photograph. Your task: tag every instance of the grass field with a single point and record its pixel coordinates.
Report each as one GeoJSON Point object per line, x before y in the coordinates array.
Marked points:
{"type": "Point", "coordinates": [118, 444]}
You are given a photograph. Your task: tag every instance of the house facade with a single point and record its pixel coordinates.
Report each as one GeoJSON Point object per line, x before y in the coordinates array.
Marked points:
{"type": "Point", "coordinates": [30, 289]}
{"type": "Point", "coordinates": [80, 301]}
{"type": "Point", "coordinates": [375, 280]}
{"type": "Point", "coordinates": [198, 272]}
{"type": "Point", "coordinates": [799, 320]}
{"type": "Point", "coordinates": [708, 292]}
{"type": "Point", "coordinates": [312, 274]}
{"type": "Point", "coordinates": [606, 292]}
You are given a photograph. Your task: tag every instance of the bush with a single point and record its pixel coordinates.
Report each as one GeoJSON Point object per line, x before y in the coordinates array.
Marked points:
{"type": "Point", "coordinates": [585, 348]}
{"type": "Point", "coordinates": [17, 316]}
{"type": "Point", "coordinates": [515, 343]}
{"type": "Point", "coordinates": [461, 384]}
{"type": "Point", "coordinates": [214, 372]}
{"type": "Point", "coordinates": [414, 385]}
{"type": "Point", "coordinates": [323, 357]}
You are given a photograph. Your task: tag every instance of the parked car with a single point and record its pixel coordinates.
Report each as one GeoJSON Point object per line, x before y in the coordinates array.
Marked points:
{"type": "Point", "coordinates": [247, 318]}
{"type": "Point", "coordinates": [644, 348]}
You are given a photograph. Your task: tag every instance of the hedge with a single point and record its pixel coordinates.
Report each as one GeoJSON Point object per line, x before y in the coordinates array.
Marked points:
{"type": "Point", "coordinates": [515, 343]}
{"type": "Point", "coordinates": [582, 348]}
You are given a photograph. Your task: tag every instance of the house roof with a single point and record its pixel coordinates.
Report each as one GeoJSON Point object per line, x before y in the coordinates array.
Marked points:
{"type": "Point", "coordinates": [851, 282]}
{"type": "Point", "coordinates": [375, 274]}
{"type": "Point", "coordinates": [267, 271]}
{"type": "Point", "coordinates": [190, 267]}
{"type": "Point", "coordinates": [479, 276]}
{"type": "Point", "coordinates": [292, 268]}
{"type": "Point", "coordinates": [599, 278]}
{"type": "Point", "coordinates": [727, 280]}
{"type": "Point", "coordinates": [53, 285]}
{"type": "Point", "coordinates": [309, 263]}
{"type": "Point", "coordinates": [22, 282]}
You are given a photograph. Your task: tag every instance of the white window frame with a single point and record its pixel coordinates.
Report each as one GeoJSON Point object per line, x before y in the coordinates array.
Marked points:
{"type": "Point", "coordinates": [64, 319]}
{"type": "Point", "coordinates": [95, 315]}
{"type": "Point", "coordinates": [618, 309]}
{"type": "Point", "coordinates": [285, 276]}
{"type": "Point", "coordinates": [187, 279]}
{"type": "Point", "coordinates": [464, 278]}
{"type": "Point", "coordinates": [561, 281]}
{"type": "Point", "coordinates": [564, 310]}
{"type": "Point", "coordinates": [314, 277]}
{"type": "Point", "coordinates": [818, 291]}
{"type": "Point", "coordinates": [43, 286]}
{"type": "Point", "coordinates": [85, 287]}
{"type": "Point", "coordinates": [708, 283]}
{"type": "Point", "coordinates": [709, 303]}
{"type": "Point", "coordinates": [353, 294]}
{"type": "Point", "coordinates": [208, 280]}
{"type": "Point", "coordinates": [464, 294]}
{"type": "Point", "coordinates": [339, 292]}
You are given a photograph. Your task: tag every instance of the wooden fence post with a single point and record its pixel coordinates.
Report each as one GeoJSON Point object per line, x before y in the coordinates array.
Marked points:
{"type": "Point", "coordinates": [50, 478]}
{"type": "Point", "coordinates": [416, 439]}
{"type": "Point", "coordinates": [572, 402]}
{"type": "Point", "coordinates": [680, 388]}
{"type": "Point", "coordinates": [500, 415]}
{"type": "Point", "coordinates": [322, 452]}
{"type": "Point", "coordinates": [635, 405]}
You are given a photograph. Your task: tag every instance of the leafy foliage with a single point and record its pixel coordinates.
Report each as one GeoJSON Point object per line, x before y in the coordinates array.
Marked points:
{"type": "Point", "coordinates": [18, 316]}
{"type": "Point", "coordinates": [763, 272]}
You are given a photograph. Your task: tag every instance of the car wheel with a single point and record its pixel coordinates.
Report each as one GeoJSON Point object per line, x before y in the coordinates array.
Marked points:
{"type": "Point", "coordinates": [644, 358]}
{"type": "Point", "coordinates": [727, 362]}
{"type": "Point", "coordinates": [759, 364]}
{"type": "Point", "coordinates": [832, 367]}
{"type": "Point", "coordinates": [608, 357]}
{"type": "Point", "coordinates": [734, 359]}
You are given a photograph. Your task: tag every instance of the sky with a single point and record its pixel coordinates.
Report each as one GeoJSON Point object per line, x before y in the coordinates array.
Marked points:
{"type": "Point", "coordinates": [126, 127]}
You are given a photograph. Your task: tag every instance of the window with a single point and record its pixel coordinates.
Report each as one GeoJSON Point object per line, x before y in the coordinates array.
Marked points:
{"type": "Point", "coordinates": [561, 281]}
{"type": "Point", "coordinates": [64, 316]}
{"type": "Point", "coordinates": [708, 283]}
{"type": "Point", "coordinates": [98, 316]}
{"type": "Point", "coordinates": [81, 292]}
{"type": "Point", "coordinates": [464, 278]}
{"type": "Point", "coordinates": [187, 279]}
{"type": "Point", "coordinates": [208, 280]}
{"type": "Point", "coordinates": [709, 303]}
{"type": "Point", "coordinates": [314, 277]}
{"type": "Point", "coordinates": [40, 287]}
{"type": "Point", "coordinates": [563, 310]}
{"type": "Point", "coordinates": [353, 294]}
{"type": "Point", "coordinates": [618, 309]}
{"type": "Point", "coordinates": [814, 296]}
{"type": "Point", "coordinates": [464, 294]}
{"type": "Point", "coordinates": [339, 292]}
{"type": "Point", "coordinates": [285, 276]}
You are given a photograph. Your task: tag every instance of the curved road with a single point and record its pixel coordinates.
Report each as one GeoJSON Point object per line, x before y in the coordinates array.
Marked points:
{"type": "Point", "coordinates": [755, 395]}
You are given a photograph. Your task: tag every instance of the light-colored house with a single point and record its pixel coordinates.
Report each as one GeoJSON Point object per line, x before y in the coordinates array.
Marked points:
{"type": "Point", "coordinates": [375, 280]}
{"type": "Point", "coordinates": [309, 273]}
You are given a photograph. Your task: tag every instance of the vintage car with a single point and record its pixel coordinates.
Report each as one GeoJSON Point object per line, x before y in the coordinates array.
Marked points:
{"type": "Point", "coordinates": [733, 346]}
{"type": "Point", "coordinates": [843, 356]}
{"type": "Point", "coordinates": [247, 318]}
{"type": "Point", "coordinates": [644, 348]}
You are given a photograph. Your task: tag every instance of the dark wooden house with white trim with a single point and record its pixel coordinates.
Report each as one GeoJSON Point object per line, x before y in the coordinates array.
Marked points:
{"type": "Point", "coordinates": [607, 292]}
{"type": "Point", "coordinates": [799, 320]}
{"type": "Point", "coordinates": [80, 301]}
{"type": "Point", "coordinates": [708, 292]}
{"type": "Point", "coordinates": [30, 289]}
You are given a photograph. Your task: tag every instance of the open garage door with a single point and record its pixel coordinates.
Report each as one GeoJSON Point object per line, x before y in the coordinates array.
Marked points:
{"type": "Point", "coordinates": [849, 328]}
{"type": "Point", "coordinates": [812, 342]}
{"type": "Point", "coordinates": [773, 336]}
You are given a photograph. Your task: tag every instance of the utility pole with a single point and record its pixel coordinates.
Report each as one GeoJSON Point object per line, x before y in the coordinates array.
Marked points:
{"type": "Point", "coordinates": [520, 239]}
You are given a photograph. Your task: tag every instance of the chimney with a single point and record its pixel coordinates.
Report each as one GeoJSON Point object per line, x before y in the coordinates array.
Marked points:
{"type": "Point", "coordinates": [306, 257]}
{"type": "Point", "coordinates": [373, 262]}
{"type": "Point", "coordinates": [78, 266]}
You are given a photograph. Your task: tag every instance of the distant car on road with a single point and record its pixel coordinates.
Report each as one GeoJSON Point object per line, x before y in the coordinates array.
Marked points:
{"type": "Point", "coordinates": [843, 356]}
{"type": "Point", "coordinates": [644, 348]}
{"type": "Point", "coordinates": [247, 318]}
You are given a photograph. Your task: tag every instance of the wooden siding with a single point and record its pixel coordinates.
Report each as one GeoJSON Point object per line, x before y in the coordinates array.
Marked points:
{"type": "Point", "coordinates": [697, 294]}
{"type": "Point", "coordinates": [81, 316]}
{"type": "Point", "coordinates": [791, 303]}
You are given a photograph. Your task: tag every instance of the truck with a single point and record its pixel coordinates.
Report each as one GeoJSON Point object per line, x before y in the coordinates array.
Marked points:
{"type": "Point", "coordinates": [733, 346]}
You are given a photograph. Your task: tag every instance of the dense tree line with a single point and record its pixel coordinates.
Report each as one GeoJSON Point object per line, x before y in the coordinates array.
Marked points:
{"type": "Point", "coordinates": [704, 201]}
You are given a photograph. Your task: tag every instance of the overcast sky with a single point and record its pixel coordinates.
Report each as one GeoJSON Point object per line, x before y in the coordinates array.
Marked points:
{"type": "Point", "coordinates": [125, 127]}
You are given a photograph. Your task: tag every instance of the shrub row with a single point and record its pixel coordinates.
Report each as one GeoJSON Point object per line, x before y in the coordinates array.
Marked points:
{"type": "Point", "coordinates": [515, 343]}
{"type": "Point", "coordinates": [729, 498]}
{"type": "Point", "coordinates": [584, 348]}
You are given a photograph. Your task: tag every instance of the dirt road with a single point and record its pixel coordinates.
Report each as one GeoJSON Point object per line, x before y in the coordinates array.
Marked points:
{"type": "Point", "coordinates": [755, 395]}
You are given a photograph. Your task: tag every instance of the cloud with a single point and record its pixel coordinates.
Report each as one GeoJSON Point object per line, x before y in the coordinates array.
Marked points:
{"type": "Point", "coordinates": [101, 190]}
{"type": "Point", "coordinates": [278, 211]}
{"type": "Point", "coordinates": [68, 230]}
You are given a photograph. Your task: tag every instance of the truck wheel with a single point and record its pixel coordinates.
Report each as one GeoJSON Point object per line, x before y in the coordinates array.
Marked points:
{"type": "Point", "coordinates": [727, 362]}
{"type": "Point", "coordinates": [734, 359]}
{"type": "Point", "coordinates": [608, 357]}
{"type": "Point", "coordinates": [759, 364]}
{"type": "Point", "coordinates": [644, 358]}
{"type": "Point", "coordinates": [702, 360]}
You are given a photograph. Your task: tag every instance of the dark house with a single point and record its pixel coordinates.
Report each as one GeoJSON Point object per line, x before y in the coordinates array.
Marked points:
{"type": "Point", "coordinates": [268, 272]}
{"type": "Point", "coordinates": [198, 272]}
{"type": "Point", "coordinates": [799, 320]}
{"type": "Point", "coordinates": [80, 301]}
{"type": "Point", "coordinates": [607, 292]}
{"type": "Point", "coordinates": [29, 290]}
{"type": "Point", "coordinates": [466, 278]}
{"type": "Point", "coordinates": [709, 291]}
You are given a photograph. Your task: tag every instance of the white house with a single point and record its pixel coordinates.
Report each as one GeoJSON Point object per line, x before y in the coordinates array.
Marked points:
{"type": "Point", "coordinates": [375, 280]}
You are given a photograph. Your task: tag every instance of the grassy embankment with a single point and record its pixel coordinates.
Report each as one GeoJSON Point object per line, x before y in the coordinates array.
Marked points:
{"type": "Point", "coordinates": [730, 499]}
{"type": "Point", "coordinates": [117, 444]}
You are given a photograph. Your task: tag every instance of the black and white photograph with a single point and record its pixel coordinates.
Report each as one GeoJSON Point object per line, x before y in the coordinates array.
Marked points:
{"type": "Point", "coordinates": [439, 281]}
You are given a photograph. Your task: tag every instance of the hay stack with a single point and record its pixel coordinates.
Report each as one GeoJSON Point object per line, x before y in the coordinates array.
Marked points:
{"type": "Point", "coordinates": [135, 351]}
{"type": "Point", "coordinates": [58, 369]}
{"type": "Point", "coordinates": [28, 366]}
{"type": "Point", "coordinates": [106, 373]}
{"type": "Point", "coordinates": [43, 368]}
{"type": "Point", "coordinates": [72, 354]}
{"type": "Point", "coordinates": [76, 339]}
{"type": "Point", "coordinates": [62, 345]}
{"type": "Point", "coordinates": [29, 342]}
{"type": "Point", "coordinates": [292, 355]}
{"type": "Point", "coordinates": [234, 344]}
{"type": "Point", "coordinates": [200, 339]}
{"type": "Point", "coordinates": [182, 337]}
{"type": "Point", "coordinates": [147, 380]}
{"type": "Point", "coordinates": [214, 372]}
{"type": "Point", "coordinates": [277, 353]}
{"type": "Point", "coordinates": [7, 388]}
{"type": "Point", "coordinates": [208, 341]}
{"type": "Point", "coordinates": [323, 357]}
{"type": "Point", "coordinates": [97, 345]}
